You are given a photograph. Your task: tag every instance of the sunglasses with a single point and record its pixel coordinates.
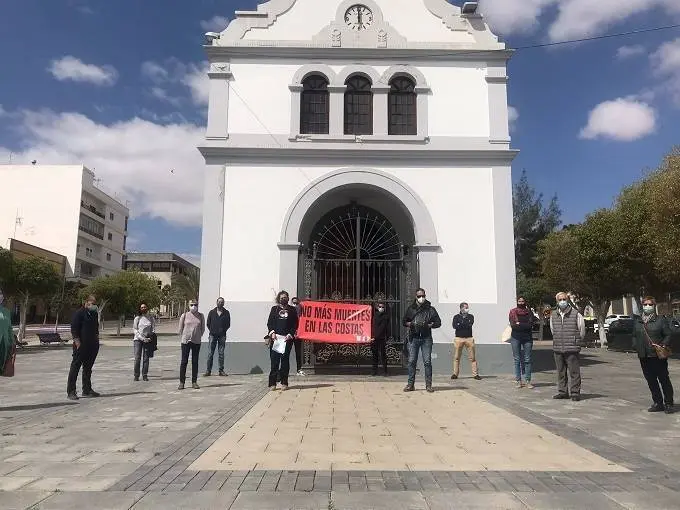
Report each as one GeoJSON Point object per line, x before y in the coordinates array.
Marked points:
{"type": "Point", "coordinates": [420, 295]}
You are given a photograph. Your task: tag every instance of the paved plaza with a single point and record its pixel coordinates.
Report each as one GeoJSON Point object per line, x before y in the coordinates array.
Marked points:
{"type": "Point", "coordinates": [331, 442]}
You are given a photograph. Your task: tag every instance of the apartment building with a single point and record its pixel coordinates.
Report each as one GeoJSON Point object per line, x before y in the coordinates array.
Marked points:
{"type": "Point", "coordinates": [61, 209]}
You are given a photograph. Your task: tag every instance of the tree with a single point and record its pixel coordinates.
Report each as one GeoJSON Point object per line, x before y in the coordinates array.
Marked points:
{"type": "Point", "coordinates": [123, 292]}
{"type": "Point", "coordinates": [6, 267]}
{"type": "Point", "coordinates": [28, 280]}
{"type": "Point", "coordinates": [532, 221]}
{"type": "Point", "coordinates": [65, 298]}
{"type": "Point", "coordinates": [187, 284]}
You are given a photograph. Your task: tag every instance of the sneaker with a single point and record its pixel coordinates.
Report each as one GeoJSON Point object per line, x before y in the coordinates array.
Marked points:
{"type": "Point", "coordinates": [656, 408]}
{"type": "Point", "coordinates": [668, 409]}
{"type": "Point", "coordinates": [576, 397]}
{"type": "Point", "coordinates": [477, 378]}
{"type": "Point", "coordinates": [561, 396]}
{"type": "Point", "coordinates": [429, 389]}
{"type": "Point", "coordinates": [529, 386]}
{"type": "Point", "coordinates": [207, 374]}
{"type": "Point", "coordinates": [181, 386]}
{"type": "Point", "coordinates": [136, 378]}
{"type": "Point", "coordinates": [409, 388]}
{"type": "Point", "coordinates": [519, 384]}
{"type": "Point", "coordinates": [72, 396]}
{"type": "Point", "coordinates": [454, 376]}
{"type": "Point", "coordinates": [222, 373]}
{"type": "Point", "coordinates": [195, 386]}
{"type": "Point", "coordinates": [284, 387]}
{"type": "Point", "coordinates": [301, 373]}
{"type": "Point", "coordinates": [91, 394]}
{"type": "Point", "coordinates": [272, 388]}
{"type": "Point", "coordinates": [145, 378]}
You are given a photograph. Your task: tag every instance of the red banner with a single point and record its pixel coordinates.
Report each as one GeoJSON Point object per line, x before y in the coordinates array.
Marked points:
{"type": "Point", "coordinates": [339, 323]}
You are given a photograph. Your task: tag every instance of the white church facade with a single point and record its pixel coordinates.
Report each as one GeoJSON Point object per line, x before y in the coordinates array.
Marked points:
{"type": "Point", "coordinates": [357, 150]}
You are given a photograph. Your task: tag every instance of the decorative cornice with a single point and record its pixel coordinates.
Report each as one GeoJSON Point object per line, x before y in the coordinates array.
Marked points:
{"type": "Point", "coordinates": [497, 79]}
{"type": "Point", "coordinates": [263, 17]}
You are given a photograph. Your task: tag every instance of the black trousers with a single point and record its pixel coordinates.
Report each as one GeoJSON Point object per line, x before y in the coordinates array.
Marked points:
{"type": "Point", "coordinates": [379, 347]}
{"type": "Point", "coordinates": [85, 356]}
{"type": "Point", "coordinates": [193, 349]}
{"type": "Point", "coordinates": [298, 354]}
{"type": "Point", "coordinates": [655, 371]}
{"type": "Point", "coordinates": [280, 365]}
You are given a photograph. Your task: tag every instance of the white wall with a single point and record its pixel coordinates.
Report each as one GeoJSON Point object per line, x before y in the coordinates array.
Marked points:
{"type": "Point", "coordinates": [461, 205]}
{"type": "Point", "coordinates": [47, 199]}
{"type": "Point", "coordinates": [457, 106]}
{"type": "Point", "coordinates": [409, 17]}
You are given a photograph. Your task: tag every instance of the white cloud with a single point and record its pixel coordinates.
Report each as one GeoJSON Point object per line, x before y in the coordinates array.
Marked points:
{"type": "Point", "coordinates": [215, 24]}
{"type": "Point", "coordinates": [634, 50]}
{"type": "Point", "coordinates": [514, 16]}
{"type": "Point", "coordinates": [155, 166]}
{"type": "Point", "coordinates": [513, 116]}
{"type": "Point", "coordinates": [623, 119]}
{"type": "Point", "coordinates": [666, 64]}
{"type": "Point", "coordinates": [71, 68]}
{"type": "Point", "coordinates": [162, 95]}
{"type": "Point", "coordinates": [172, 72]}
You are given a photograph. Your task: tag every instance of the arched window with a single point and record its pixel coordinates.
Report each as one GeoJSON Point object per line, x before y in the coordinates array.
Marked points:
{"type": "Point", "coordinates": [314, 107]}
{"type": "Point", "coordinates": [358, 106]}
{"type": "Point", "coordinates": [403, 114]}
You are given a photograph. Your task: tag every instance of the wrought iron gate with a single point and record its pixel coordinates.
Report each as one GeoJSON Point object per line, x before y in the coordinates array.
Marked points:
{"type": "Point", "coordinates": [356, 256]}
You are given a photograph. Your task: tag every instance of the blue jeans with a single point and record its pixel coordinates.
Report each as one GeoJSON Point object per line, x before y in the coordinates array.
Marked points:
{"type": "Point", "coordinates": [415, 345]}
{"type": "Point", "coordinates": [521, 352]}
{"type": "Point", "coordinates": [219, 342]}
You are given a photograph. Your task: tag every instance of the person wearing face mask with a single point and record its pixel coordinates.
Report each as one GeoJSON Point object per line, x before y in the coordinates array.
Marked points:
{"type": "Point", "coordinates": [522, 322]}
{"type": "Point", "coordinates": [651, 332]}
{"type": "Point", "coordinates": [381, 332]}
{"type": "Point", "coordinates": [297, 342]}
{"type": "Point", "coordinates": [85, 333]}
{"type": "Point", "coordinates": [191, 329]}
{"type": "Point", "coordinates": [219, 321]}
{"type": "Point", "coordinates": [462, 324]}
{"type": "Point", "coordinates": [144, 330]}
{"type": "Point", "coordinates": [420, 319]}
{"type": "Point", "coordinates": [282, 325]}
{"type": "Point", "coordinates": [7, 347]}
{"type": "Point", "coordinates": [569, 329]}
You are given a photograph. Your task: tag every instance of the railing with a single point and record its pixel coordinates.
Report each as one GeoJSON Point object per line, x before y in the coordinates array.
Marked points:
{"type": "Point", "coordinates": [93, 209]}
{"type": "Point", "coordinates": [91, 232]}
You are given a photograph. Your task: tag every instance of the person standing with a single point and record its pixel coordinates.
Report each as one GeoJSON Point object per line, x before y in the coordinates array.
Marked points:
{"type": "Point", "coordinates": [7, 347]}
{"type": "Point", "coordinates": [282, 325]}
{"type": "Point", "coordinates": [568, 329]}
{"type": "Point", "coordinates": [219, 321]}
{"type": "Point", "coordinates": [420, 319]}
{"type": "Point", "coordinates": [191, 329]}
{"type": "Point", "coordinates": [380, 332]}
{"type": "Point", "coordinates": [144, 330]}
{"type": "Point", "coordinates": [522, 322]}
{"type": "Point", "coordinates": [462, 324]}
{"type": "Point", "coordinates": [298, 342]}
{"type": "Point", "coordinates": [85, 334]}
{"type": "Point", "coordinates": [651, 336]}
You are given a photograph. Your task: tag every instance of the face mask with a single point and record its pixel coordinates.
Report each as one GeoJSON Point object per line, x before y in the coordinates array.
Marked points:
{"type": "Point", "coordinates": [648, 309]}
{"type": "Point", "coordinates": [381, 309]}
{"type": "Point", "coordinates": [193, 308]}
{"type": "Point", "coordinates": [563, 304]}
{"type": "Point", "coordinates": [464, 311]}
{"type": "Point", "coordinates": [421, 300]}
{"type": "Point", "coordinates": [92, 308]}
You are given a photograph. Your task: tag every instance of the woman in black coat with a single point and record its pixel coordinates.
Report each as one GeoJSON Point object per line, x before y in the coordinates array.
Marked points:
{"type": "Point", "coordinates": [282, 325]}
{"type": "Point", "coordinates": [381, 332]}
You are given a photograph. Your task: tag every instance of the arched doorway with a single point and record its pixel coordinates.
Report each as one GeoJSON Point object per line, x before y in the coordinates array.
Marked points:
{"type": "Point", "coordinates": [354, 254]}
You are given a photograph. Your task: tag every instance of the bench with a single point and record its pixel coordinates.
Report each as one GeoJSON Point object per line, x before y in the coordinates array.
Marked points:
{"type": "Point", "coordinates": [50, 338]}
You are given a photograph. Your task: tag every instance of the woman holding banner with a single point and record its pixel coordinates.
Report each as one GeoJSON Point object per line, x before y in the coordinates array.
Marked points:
{"type": "Point", "coordinates": [282, 325]}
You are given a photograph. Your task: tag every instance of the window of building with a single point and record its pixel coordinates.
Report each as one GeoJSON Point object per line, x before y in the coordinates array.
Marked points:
{"type": "Point", "coordinates": [402, 107]}
{"type": "Point", "coordinates": [110, 236]}
{"type": "Point", "coordinates": [126, 223]}
{"type": "Point", "coordinates": [314, 105]}
{"type": "Point", "coordinates": [160, 266]}
{"type": "Point", "coordinates": [358, 106]}
{"type": "Point", "coordinates": [78, 248]}
{"type": "Point", "coordinates": [146, 266]}
{"type": "Point", "coordinates": [108, 257]}
{"type": "Point", "coordinates": [92, 227]}
{"type": "Point", "coordinates": [88, 251]}
{"type": "Point", "coordinates": [111, 216]}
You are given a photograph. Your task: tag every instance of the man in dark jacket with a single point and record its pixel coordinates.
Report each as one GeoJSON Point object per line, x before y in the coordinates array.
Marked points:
{"type": "Point", "coordinates": [420, 319]}
{"type": "Point", "coordinates": [462, 323]}
{"type": "Point", "coordinates": [218, 323]}
{"type": "Point", "coordinates": [569, 329]}
{"type": "Point", "coordinates": [380, 334]}
{"type": "Point", "coordinates": [85, 333]}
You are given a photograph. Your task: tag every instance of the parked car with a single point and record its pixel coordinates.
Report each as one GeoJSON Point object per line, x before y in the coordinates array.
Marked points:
{"type": "Point", "coordinates": [608, 321]}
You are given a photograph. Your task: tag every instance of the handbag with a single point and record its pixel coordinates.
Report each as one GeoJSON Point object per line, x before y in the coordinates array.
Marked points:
{"type": "Point", "coordinates": [507, 333]}
{"type": "Point", "coordinates": [662, 351]}
{"type": "Point", "coordinates": [8, 369]}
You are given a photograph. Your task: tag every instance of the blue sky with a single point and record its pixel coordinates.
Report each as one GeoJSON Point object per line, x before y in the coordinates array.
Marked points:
{"type": "Point", "coordinates": [119, 87]}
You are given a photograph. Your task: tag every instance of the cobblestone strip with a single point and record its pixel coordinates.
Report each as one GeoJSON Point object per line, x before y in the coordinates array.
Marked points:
{"type": "Point", "coordinates": [167, 471]}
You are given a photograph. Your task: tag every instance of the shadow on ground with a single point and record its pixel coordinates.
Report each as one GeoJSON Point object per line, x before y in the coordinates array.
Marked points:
{"type": "Point", "coordinates": [30, 407]}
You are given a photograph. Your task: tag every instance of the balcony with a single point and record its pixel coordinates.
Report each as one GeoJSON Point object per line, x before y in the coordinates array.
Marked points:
{"type": "Point", "coordinates": [92, 209]}
{"type": "Point", "coordinates": [91, 232]}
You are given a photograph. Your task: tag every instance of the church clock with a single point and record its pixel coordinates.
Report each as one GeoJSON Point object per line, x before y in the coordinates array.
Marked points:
{"type": "Point", "coordinates": [358, 17]}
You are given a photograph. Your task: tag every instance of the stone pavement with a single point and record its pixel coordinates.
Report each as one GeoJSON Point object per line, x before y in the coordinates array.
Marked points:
{"type": "Point", "coordinates": [331, 442]}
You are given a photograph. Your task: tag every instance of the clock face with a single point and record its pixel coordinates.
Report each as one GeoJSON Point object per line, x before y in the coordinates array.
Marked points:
{"type": "Point", "coordinates": [358, 17]}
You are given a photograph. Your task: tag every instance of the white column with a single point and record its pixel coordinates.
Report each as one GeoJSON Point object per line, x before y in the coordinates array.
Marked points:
{"type": "Point", "coordinates": [218, 102]}
{"type": "Point", "coordinates": [428, 271]}
{"type": "Point", "coordinates": [288, 274]}
{"type": "Point", "coordinates": [336, 110]}
{"type": "Point", "coordinates": [295, 95]}
{"type": "Point", "coordinates": [497, 83]}
{"type": "Point", "coordinates": [380, 109]}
